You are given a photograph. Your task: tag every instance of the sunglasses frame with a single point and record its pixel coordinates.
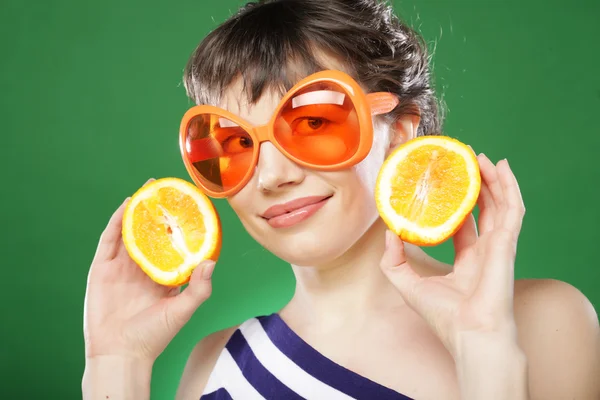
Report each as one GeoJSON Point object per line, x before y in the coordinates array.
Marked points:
{"type": "Point", "coordinates": [365, 105]}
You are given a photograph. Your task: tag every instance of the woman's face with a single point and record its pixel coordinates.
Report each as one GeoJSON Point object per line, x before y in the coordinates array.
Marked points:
{"type": "Point", "coordinates": [330, 211]}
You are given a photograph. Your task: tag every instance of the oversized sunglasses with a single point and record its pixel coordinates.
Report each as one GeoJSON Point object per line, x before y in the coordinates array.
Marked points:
{"type": "Point", "coordinates": [324, 123]}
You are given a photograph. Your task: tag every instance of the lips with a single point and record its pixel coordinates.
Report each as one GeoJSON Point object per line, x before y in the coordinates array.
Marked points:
{"type": "Point", "coordinates": [294, 205]}
{"type": "Point", "coordinates": [292, 213]}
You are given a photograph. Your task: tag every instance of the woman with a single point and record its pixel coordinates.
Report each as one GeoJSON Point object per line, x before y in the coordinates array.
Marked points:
{"type": "Point", "coordinates": [371, 317]}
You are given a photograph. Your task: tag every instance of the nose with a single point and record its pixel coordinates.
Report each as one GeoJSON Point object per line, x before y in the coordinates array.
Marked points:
{"type": "Point", "coordinates": [275, 171]}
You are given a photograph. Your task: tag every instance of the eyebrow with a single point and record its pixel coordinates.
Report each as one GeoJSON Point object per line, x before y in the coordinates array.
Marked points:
{"type": "Point", "coordinates": [318, 97]}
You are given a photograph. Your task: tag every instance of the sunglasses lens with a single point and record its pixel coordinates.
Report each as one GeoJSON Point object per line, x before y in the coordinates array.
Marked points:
{"type": "Point", "coordinates": [220, 151]}
{"type": "Point", "coordinates": [319, 125]}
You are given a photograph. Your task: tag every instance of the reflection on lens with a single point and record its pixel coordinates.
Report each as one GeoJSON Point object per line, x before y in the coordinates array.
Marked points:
{"type": "Point", "coordinates": [319, 125]}
{"type": "Point", "coordinates": [220, 151]}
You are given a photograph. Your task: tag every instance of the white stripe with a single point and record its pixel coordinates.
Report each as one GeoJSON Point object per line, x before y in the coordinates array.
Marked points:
{"type": "Point", "coordinates": [233, 380]}
{"type": "Point", "coordinates": [213, 383]}
{"type": "Point", "coordinates": [225, 123]}
{"type": "Point", "coordinates": [318, 97]}
{"type": "Point", "coordinates": [285, 369]}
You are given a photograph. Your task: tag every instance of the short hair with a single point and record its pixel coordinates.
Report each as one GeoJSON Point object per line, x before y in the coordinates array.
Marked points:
{"type": "Point", "coordinates": [271, 44]}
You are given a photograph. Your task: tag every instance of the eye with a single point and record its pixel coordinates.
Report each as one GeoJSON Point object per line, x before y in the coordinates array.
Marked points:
{"type": "Point", "coordinates": [237, 143]}
{"type": "Point", "coordinates": [309, 125]}
{"type": "Point", "coordinates": [315, 123]}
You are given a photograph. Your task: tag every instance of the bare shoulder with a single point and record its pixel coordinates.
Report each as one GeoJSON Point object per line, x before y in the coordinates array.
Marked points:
{"type": "Point", "coordinates": [201, 362]}
{"type": "Point", "coordinates": [559, 332]}
{"type": "Point", "coordinates": [551, 301]}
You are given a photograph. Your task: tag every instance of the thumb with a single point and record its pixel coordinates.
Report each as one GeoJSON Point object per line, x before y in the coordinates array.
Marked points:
{"type": "Point", "coordinates": [395, 266]}
{"type": "Point", "coordinates": [199, 289]}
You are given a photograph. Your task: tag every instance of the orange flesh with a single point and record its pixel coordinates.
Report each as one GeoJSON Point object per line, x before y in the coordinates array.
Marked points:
{"type": "Point", "coordinates": [429, 185]}
{"type": "Point", "coordinates": [155, 220]}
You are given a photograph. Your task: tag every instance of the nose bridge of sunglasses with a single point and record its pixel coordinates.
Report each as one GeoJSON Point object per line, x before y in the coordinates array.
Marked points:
{"type": "Point", "coordinates": [262, 133]}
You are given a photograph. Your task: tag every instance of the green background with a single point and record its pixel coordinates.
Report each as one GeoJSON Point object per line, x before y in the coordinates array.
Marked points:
{"type": "Point", "coordinates": [91, 99]}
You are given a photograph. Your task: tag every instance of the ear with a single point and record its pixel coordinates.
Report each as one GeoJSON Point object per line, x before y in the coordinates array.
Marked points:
{"type": "Point", "coordinates": [404, 129]}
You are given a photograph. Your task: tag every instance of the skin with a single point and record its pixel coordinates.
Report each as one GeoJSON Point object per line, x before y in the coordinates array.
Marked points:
{"type": "Point", "coordinates": [469, 326]}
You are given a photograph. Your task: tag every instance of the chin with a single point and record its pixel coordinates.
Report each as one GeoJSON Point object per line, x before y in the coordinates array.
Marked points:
{"type": "Point", "coordinates": [318, 242]}
{"type": "Point", "coordinates": [310, 248]}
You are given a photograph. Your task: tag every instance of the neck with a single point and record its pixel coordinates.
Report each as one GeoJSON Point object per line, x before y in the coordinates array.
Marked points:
{"type": "Point", "coordinates": [353, 287]}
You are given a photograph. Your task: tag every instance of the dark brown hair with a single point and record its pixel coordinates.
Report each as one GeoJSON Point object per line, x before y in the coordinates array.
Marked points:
{"type": "Point", "coordinates": [270, 44]}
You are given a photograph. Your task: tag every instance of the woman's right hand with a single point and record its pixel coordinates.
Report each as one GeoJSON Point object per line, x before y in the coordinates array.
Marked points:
{"type": "Point", "coordinates": [127, 315]}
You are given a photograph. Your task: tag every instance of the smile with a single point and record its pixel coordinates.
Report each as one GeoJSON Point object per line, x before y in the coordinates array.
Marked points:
{"type": "Point", "coordinates": [295, 211]}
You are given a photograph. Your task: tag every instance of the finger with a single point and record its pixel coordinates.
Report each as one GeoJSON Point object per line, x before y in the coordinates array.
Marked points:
{"type": "Point", "coordinates": [487, 209]}
{"type": "Point", "coordinates": [109, 240]}
{"type": "Point", "coordinates": [395, 266]}
{"type": "Point", "coordinates": [184, 304]}
{"type": "Point", "coordinates": [465, 237]}
{"type": "Point", "coordinates": [394, 254]}
{"type": "Point", "coordinates": [490, 177]}
{"type": "Point", "coordinates": [174, 291]}
{"type": "Point", "coordinates": [497, 280]}
{"type": "Point", "coordinates": [515, 208]}
{"type": "Point", "coordinates": [465, 270]}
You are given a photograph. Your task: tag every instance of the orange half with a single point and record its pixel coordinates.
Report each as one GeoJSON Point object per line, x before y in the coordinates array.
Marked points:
{"type": "Point", "coordinates": [169, 227]}
{"type": "Point", "coordinates": [427, 187]}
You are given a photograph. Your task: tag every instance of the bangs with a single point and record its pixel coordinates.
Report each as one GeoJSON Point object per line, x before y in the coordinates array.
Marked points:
{"type": "Point", "coordinates": [265, 50]}
{"type": "Point", "coordinates": [269, 45]}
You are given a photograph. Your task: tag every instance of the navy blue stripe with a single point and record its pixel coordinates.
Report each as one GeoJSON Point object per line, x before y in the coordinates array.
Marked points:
{"type": "Point", "coordinates": [220, 394]}
{"type": "Point", "coordinates": [256, 374]}
{"type": "Point", "coordinates": [322, 368]}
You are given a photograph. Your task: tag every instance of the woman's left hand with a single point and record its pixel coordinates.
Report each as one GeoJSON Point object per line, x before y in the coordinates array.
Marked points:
{"type": "Point", "coordinates": [477, 296]}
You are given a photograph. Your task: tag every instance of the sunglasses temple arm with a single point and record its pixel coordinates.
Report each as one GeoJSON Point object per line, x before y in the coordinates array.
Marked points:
{"type": "Point", "coordinates": [382, 102]}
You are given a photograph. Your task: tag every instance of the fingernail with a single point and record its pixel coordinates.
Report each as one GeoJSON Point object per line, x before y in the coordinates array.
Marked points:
{"type": "Point", "coordinates": [207, 270]}
{"type": "Point", "coordinates": [150, 180]}
{"type": "Point", "coordinates": [126, 200]}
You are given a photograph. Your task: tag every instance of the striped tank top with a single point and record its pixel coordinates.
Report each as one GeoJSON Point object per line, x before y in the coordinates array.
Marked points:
{"type": "Point", "coordinates": [265, 359]}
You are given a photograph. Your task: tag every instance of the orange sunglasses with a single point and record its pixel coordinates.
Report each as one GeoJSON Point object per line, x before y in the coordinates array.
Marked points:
{"type": "Point", "coordinates": [323, 123]}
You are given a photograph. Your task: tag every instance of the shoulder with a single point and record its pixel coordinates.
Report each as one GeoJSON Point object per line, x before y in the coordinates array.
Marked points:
{"type": "Point", "coordinates": [559, 332]}
{"type": "Point", "coordinates": [548, 302]}
{"type": "Point", "coordinates": [201, 362]}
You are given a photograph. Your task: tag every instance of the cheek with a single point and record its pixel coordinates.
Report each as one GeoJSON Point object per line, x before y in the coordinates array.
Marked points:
{"type": "Point", "coordinates": [368, 169]}
{"type": "Point", "coordinates": [239, 204]}
{"type": "Point", "coordinates": [356, 201]}
{"type": "Point", "coordinates": [243, 204]}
